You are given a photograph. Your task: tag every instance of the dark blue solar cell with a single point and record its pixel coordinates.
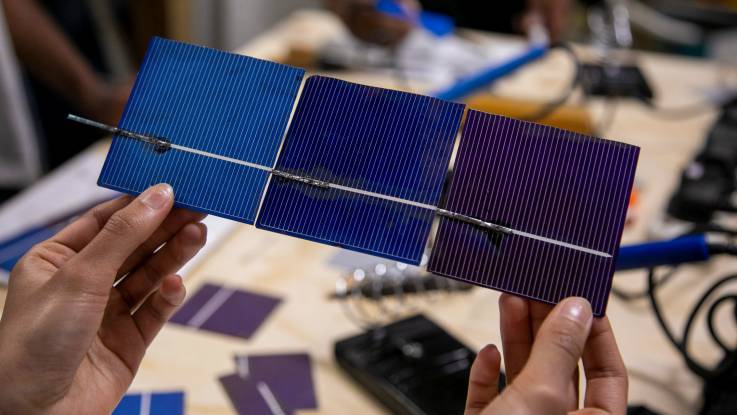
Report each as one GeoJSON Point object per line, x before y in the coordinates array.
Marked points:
{"type": "Point", "coordinates": [373, 139]}
{"type": "Point", "coordinates": [346, 219]}
{"type": "Point", "coordinates": [376, 140]}
{"type": "Point", "coordinates": [221, 103]}
{"type": "Point", "coordinates": [543, 181]}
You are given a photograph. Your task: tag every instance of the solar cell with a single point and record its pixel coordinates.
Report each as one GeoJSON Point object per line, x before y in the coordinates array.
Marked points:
{"type": "Point", "coordinates": [148, 403]}
{"type": "Point", "coordinates": [568, 189]}
{"type": "Point", "coordinates": [532, 210]}
{"type": "Point", "coordinates": [224, 104]}
{"type": "Point", "coordinates": [373, 146]}
{"type": "Point", "coordinates": [346, 219]}
{"type": "Point", "coordinates": [225, 310]}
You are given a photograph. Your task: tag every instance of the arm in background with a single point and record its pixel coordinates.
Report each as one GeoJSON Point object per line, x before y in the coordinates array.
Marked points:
{"type": "Point", "coordinates": [47, 53]}
{"type": "Point", "coordinates": [369, 24]}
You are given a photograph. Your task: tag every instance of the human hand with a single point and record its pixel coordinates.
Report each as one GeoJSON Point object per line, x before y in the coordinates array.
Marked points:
{"type": "Point", "coordinates": [542, 349]}
{"type": "Point", "coordinates": [552, 14]}
{"type": "Point", "coordinates": [70, 342]}
{"type": "Point", "coordinates": [105, 102]}
{"type": "Point", "coordinates": [371, 25]}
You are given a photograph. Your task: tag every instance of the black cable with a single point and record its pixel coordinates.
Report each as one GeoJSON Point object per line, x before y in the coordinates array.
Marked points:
{"type": "Point", "coordinates": [712, 228]}
{"type": "Point", "coordinates": [710, 320]}
{"type": "Point", "coordinates": [714, 249]}
{"type": "Point", "coordinates": [730, 353]}
{"type": "Point", "coordinates": [629, 296]}
{"type": "Point", "coordinates": [550, 107]}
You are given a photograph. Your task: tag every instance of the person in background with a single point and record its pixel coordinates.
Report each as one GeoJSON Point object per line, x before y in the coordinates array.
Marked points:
{"type": "Point", "coordinates": [59, 51]}
{"type": "Point", "coordinates": [71, 342]}
{"type": "Point", "coordinates": [368, 24]}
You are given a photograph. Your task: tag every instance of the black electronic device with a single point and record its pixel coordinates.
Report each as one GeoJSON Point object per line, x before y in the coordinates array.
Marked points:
{"type": "Point", "coordinates": [708, 182]}
{"type": "Point", "coordinates": [613, 80]}
{"type": "Point", "coordinates": [412, 366]}
{"type": "Point", "coordinates": [720, 392]}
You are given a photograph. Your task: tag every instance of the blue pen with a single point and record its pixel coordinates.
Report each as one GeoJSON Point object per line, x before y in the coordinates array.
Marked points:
{"type": "Point", "coordinates": [472, 83]}
{"type": "Point", "coordinates": [690, 248]}
{"type": "Point", "coordinates": [438, 24]}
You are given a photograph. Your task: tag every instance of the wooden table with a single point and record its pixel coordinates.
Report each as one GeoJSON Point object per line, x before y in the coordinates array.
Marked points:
{"type": "Point", "coordinates": [296, 270]}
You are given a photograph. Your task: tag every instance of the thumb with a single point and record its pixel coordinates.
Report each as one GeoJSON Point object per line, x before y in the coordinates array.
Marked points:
{"type": "Point", "coordinates": [544, 381]}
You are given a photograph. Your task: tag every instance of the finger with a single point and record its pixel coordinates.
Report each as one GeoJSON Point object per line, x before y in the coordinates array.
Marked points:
{"type": "Point", "coordinates": [538, 312]}
{"type": "Point", "coordinates": [173, 256]}
{"type": "Point", "coordinates": [516, 333]}
{"type": "Point", "coordinates": [483, 380]}
{"type": "Point", "coordinates": [590, 411]}
{"type": "Point", "coordinates": [574, 390]}
{"type": "Point", "coordinates": [123, 232]}
{"type": "Point", "coordinates": [159, 307]}
{"type": "Point", "coordinates": [127, 336]}
{"type": "Point", "coordinates": [558, 347]}
{"type": "Point", "coordinates": [606, 375]}
{"type": "Point", "coordinates": [79, 233]}
{"type": "Point", "coordinates": [176, 220]}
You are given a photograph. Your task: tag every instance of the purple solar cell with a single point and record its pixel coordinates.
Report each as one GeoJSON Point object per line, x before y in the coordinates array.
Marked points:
{"type": "Point", "coordinates": [289, 377]}
{"type": "Point", "coordinates": [570, 191]}
{"type": "Point", "coordinates": [246, 397]}
{"type": "Point", "coordinates": [271, 384]}
{"type": "Point", "coordinates": [226, 311]}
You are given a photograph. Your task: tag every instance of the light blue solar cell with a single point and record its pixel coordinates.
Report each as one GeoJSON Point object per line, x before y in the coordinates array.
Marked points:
{"type": "Point", "coordinates": [217, 102]}
{"type": "Point", "coordinates": [375, 140]}
{"type": "Point", "coordinates": [200, 183]}
{"type": "Point", "coordinates": [166, 403]}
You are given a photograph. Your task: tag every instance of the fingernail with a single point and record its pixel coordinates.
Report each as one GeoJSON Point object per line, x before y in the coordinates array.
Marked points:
{"type": "Point", "coordinates": [203, 229]}
{"type": "Point", "coordinates": [578, 309]}
{"type": "Point", "coordinates": [158, 196]}
{"type": "Point", "coordinates": [174, 292]}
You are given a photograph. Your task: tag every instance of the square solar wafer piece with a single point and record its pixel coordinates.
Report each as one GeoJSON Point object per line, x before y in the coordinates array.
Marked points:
{"type": "Point", "coordinates": [271, 384]}
{"type": "Point", "coordinates": [221, 104]}
{"type": "Point", "coordinates": [364, 142]}
{"type": "Point", "coordinates": [226, 311]}
{"type": "Point", "coordinates": [159, 403]}
{"type": "Point", "coordinates": [563, 195]}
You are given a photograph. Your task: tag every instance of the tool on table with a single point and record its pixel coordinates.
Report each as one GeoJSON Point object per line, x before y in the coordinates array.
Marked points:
{"type": "Point", "coordinates": [412, 366]}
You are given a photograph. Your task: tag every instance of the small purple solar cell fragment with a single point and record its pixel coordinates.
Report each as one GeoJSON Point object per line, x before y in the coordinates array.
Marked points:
{"type": "Point", "coordinates": [543, 181]}
{"type": "Point", "coordinates": [288, 375]}
{"type": "Point", "coordinates": [270, 384]}
{"type": "Point", "coordinates": [226, 311]}
{"type": "Point", "coordinates": [245, 396]}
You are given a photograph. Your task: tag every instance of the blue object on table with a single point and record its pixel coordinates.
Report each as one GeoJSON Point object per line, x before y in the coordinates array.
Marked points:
{"type": "Point", "coordinates": [477, 81]}
{"type": "Point", "coordinates": [389, 142]}
{"type": "Point", "coordinates": [230, 105]}
{"type": "Point", "coordinates": [691, 248]}
{"type": "Point", "coordinates": [436, 23]}
{"type": "Point", "coordinates": [160, 403]}
{"type": "Point", "coordinates": [13, 248]}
